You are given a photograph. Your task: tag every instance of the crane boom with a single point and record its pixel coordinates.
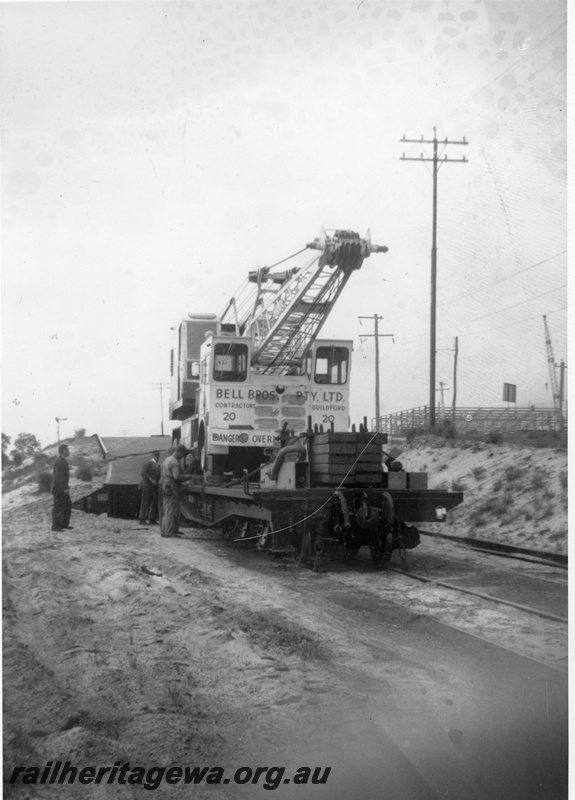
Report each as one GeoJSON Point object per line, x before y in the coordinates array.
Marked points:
{"type": "Point", "coordinates": [291, 307]}
{"type": "Point", "coordinates": [551, 364]}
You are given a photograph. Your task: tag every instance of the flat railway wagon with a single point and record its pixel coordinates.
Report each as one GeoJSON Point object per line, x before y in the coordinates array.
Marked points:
{"type": "Point", "coordinates": [263, 404]}
{"type": "Point", "coordinates": [323, 492]}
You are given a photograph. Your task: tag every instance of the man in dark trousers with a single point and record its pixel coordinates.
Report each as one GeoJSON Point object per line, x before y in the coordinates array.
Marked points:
{"type": "Point", "coordinates": [62, 509]}
{"type": "Point", "coordinates": [149, 490]}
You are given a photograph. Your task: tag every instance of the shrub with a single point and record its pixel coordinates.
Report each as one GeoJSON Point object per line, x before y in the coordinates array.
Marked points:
{"type": "Point", "coordinates": [478, 473]}
{"type": "Point", "coordinates": [458, 486]}
{"type": "Point", "coordinates": [446, 429]}
{"type": "Point", "coordinates": [492, 507]}
{"type": "Point", "coordinates": [41, 461]}
{"type": "Point", "coordinates": [411, 433]}
{"type": "Point", "coordinates": [513, 473]}
{"type": "Point", "coordinates": [540, 439]}
{"type": "Point", "coordinates": [494, 437]}
{"type": "Point", "coordinates": [563, 480]}
{"type": "Point", "coordinates": [44, 481]}
{"type": "Point", "coordinates": [80, 433]}
{"type": "Point", "coordinates": [84, 472]}
{"type": "Point", "coordinates": [538, 480]}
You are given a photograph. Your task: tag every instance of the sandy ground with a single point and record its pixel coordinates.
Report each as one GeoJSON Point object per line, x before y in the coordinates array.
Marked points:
{"type": "Point", "coordinates": [115, 648]}
{"type": "Point", "coordinates": [514, 495]}
{"type": "Point", "coordinates": [121, 646]}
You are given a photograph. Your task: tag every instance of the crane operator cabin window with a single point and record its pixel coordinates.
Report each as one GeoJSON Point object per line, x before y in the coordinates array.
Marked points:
{"type": "Point", "coordinates": [331, 365]}
{"type": "Point", "coordinates": [230, 361]}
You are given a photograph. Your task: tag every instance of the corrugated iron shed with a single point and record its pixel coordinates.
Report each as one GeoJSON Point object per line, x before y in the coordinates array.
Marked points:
{"type": "Point", "coordinates": [121, 446]}
{"type": "Point", "coordinates": [126, 455]}
{"type": "Point", "coordinates": [125, 471]}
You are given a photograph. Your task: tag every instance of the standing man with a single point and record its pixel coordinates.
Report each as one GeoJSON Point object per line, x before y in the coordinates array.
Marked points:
{"type": "Point", "coordinates": [149, 490]}
{"type": "Point", "coordinates": [172, 477]}
{"type": "Point", "coordinates": [62, 508]}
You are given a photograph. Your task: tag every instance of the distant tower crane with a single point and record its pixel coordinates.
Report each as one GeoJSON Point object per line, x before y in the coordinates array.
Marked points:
{"type": "Point", "coordinates": [557, 395]}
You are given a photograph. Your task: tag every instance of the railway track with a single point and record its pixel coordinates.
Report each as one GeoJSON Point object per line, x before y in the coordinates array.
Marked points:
{"type": "Point", "coordinates": [503, 549]}
{"type": "Point", "coordinates": [534, 583]}
{"type": "Point", "coordinates": [493, 598]}
{"type": "Point", "coordinates": [519, 605]}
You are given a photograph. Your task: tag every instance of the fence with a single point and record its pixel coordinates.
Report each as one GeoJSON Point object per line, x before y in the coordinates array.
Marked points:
{"type": "Point", "coordinates": [474, 420]}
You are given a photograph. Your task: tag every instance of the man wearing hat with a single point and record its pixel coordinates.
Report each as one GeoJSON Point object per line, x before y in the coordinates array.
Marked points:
{"type": "Point", "coordinates": [172, 477]}
{"type": "Point", "coordinates": [149, 486]}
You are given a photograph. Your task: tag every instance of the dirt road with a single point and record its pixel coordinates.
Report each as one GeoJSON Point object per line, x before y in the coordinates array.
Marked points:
{"type": "Point", "coordinates": [120, 646]}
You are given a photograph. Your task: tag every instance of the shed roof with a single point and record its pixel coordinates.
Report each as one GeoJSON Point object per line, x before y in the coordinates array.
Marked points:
{"type": "Point", "coordinates": [122, 446]}
{"type": "Point", "coordinates": [127, 471]}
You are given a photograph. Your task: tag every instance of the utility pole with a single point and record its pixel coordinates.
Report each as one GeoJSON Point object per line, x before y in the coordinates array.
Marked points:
{"type": "Point", "coordinates": [376, 335]}
{"type": "Point", "coordinates": [456, 352]}
{"type": "Point", "coordinates": [124, 431]}
{"type": "Point", "coordinates": [161, 387]}
{"type": "Point", "coordinates": [437, 161]}
{"type": "Point", "coordinates": [442, 387]}
{"type": "Point", "coordinates": [58, 421]}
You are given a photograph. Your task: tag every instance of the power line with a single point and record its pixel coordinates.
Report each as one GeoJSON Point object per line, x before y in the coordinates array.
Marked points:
{"type": "Point", "coordinates": [515, 65]}
{"type": "Point", "coordinates": [491, 314]}
{"type": "Point", "coordinates": [443, 302]}
{"type": "Point", "coordinates": [527, 319]}
{"type": "Point", "coordinates": [500, 280]}
{"type": "Point", "coordinates": [515, 305]}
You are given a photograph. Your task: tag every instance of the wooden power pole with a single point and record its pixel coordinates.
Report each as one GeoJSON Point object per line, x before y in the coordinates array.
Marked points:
{"type": "Point", "coordinates": [376, 335]}
{"type": "Point", "coordinates": [161, 387]}
{"type": "Point", "coordinates": [437, 161]}
{"type": "Point", "coordinates": [456, 352]}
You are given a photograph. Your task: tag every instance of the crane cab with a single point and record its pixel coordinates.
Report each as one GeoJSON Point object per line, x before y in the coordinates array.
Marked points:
{"type": "Point", "coordinates": [185, 363]}
{"type": "Point", "coordinates": [230, 411]}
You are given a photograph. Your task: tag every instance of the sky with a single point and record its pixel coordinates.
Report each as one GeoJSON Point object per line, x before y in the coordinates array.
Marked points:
{"type": "Point", "coordinates": [154, 153]}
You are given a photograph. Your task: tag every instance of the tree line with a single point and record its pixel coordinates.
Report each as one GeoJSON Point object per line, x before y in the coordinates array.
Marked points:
{"type": "Point", "coordinates": [25, 445]}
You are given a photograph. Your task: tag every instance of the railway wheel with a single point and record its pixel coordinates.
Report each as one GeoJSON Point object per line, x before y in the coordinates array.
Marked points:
{"type": "Point", "coordinates": [339, 530]}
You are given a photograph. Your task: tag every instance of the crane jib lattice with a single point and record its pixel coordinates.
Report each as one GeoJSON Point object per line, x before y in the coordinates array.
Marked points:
{"type": "Point", "coordinates": [290, 308]}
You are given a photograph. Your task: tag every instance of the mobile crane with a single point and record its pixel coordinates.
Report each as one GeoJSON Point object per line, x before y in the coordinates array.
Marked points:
{"type": "Point", "coordinates": [263, 404]}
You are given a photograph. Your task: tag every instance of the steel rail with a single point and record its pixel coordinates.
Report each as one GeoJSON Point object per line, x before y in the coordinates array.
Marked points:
{"type": "Point", "coordinates": [481, 544]}
{"type": "Point", "coordinates": [445, 585]}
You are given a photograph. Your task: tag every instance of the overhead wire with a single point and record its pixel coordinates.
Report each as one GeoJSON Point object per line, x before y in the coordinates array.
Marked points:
{"type": "Point", "coordinates": [467, 293]}
{"type": "Point", "coordinates": [517, 65]}
{"type": "Point", "coordinates": [466, 323]}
